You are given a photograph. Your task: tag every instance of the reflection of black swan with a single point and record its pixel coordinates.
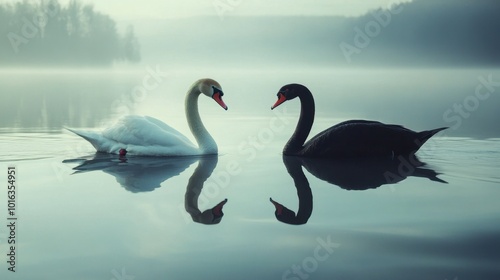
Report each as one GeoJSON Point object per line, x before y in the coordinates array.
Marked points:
{"type": "Point", "coordinates": [368, 173]}
{"type": "Point", "coordinates": [285, 215]}
{"type": "Point", "coordinates": [349, 138]}
{"type": "Point", "coordinates": [206, 166]}
{"type": "Point", "coordinates": [349, 174]}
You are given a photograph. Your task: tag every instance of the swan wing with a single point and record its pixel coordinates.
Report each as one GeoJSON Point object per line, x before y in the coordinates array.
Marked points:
{"type": "Point", "coordinates": [346, 126]}
{"type": "Point", "coordinates": [165, 127]}
{"type": "Point", "coordinates": [367, 122]}
{"type": "Point", "coordinates": [140, 136]}
{"type": "Point", "coordinates": [145, 131]}
{"type": "Point", "coordinates": [95, 138]}
{"type": "Point", "coordinates": [361, 137]}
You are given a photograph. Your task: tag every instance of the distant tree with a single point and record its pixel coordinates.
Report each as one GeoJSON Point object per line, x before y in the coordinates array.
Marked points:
{"type": "Point", "coordinates": [446, 32]}
{"type": "Point", "coordinates": [47, 32]}
{"type": "Point", "coordinates": [131, 48]}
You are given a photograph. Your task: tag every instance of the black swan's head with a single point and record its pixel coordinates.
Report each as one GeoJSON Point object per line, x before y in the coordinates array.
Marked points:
{"type": "Point", "coordinates": [289, 92]}
{"type": "Point", "coordinates": [286, 215]}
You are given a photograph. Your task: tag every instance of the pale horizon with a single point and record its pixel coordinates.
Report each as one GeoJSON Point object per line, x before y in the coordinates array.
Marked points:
{"type": "Point", "coordinates": [158, 9]}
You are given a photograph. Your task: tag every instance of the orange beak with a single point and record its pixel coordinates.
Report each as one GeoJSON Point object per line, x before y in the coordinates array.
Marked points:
{"type": "Point", "coordinates": [279, 207]}
{"type": "Point", "coordinates": [281, 99]}
{"type": "Point", "coordinates": [218, 98]}
{"type": "Point", "coordinates": [217, 210]}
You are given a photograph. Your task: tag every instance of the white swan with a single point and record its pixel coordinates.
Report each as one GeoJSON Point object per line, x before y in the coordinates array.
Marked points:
{"type": "Point", "coordinates": [140, 135]}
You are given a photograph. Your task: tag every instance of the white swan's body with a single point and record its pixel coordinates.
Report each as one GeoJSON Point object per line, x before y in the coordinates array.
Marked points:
{"type": "Point", "coordinates": [140, 135]}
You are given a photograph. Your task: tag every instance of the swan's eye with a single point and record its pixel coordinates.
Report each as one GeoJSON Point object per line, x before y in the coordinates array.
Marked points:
{"type": "Point", "coordinates": [283, 91]}
{"type": "Point", "coordinates": [217, 90]}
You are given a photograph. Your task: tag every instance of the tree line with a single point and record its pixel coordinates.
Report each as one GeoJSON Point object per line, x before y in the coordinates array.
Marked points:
{"type": "Point", "coordinates": [427, 32]}
{"type": "Point", "coordinates": [46, 32]}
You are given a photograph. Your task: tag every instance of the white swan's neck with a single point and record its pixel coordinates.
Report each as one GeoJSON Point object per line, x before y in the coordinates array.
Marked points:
{"type": "Point", "coordinates": [205, 141]}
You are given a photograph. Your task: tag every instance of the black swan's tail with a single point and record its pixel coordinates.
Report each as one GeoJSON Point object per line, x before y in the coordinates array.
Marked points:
{"type": "Point", "coordinates": [426, 135]}
{"type": "Point", "coordinates": [429, 174]}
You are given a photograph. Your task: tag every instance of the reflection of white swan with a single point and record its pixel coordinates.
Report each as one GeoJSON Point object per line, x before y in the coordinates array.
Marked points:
{"type": "Point", "coordinates": [144, 174]}
{"type": "Point", "coordinates": [135, 174]}
{"type": "Point", "coordinates": [149, 136]}
{"type": "Point", "coordinates": [211, 216]}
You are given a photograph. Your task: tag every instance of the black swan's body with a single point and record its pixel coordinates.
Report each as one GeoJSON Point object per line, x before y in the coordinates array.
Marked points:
{"type": "Point", "coordinates": [351, 138]}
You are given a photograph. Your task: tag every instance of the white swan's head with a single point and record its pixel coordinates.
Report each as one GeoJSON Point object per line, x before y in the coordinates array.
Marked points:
{"type": "Point", "coordinates": [212, 89]}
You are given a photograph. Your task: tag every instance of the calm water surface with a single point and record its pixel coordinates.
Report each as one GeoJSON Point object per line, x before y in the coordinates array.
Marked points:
{"type": "Point", "coordinates": [83, 215]}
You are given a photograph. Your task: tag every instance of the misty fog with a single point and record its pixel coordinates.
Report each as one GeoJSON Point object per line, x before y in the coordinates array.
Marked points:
{"type": "Point", "coordinates": [417, 98]}
{"type": "Point", "coordinates": [124, 214]}
{"type": "Point", "coordinates": [46, 33]}
{"type": "Point", "coordinates": [422, 33]}
{"type": "Point", "coordinates": [351, 64]}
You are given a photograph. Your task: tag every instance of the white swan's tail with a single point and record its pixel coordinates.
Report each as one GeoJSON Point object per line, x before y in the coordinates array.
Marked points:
{"type": "Point", "coordinates": [94, 138]}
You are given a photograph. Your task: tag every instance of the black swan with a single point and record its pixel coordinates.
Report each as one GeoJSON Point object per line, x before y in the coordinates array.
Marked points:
{"type": "Point", "coordinates": [353, 138]}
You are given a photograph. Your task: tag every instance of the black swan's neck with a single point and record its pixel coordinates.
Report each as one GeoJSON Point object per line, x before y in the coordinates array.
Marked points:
{"type": "Point", "coordinates": [304, 193]}
{"type": "Point", "coordinates": [295, 145]}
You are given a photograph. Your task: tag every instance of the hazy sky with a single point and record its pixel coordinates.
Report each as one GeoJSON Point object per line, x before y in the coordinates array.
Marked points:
{"type": "Point", "coordinates": [157, 9]}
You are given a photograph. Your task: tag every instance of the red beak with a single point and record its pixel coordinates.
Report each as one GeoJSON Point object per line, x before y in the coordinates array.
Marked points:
{"type": "Point", "coordinates": [281, 99]}
{"type": "Point", "coordinates": [279, 207]}
{"type": "Point", "coordinates": [219, 101]}
{"type": "Point", "coordinates": [217, 210]}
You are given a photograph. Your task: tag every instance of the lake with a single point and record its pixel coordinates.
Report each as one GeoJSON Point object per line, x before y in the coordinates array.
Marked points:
{"type": "Point", "coordinates": [82, 215]}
